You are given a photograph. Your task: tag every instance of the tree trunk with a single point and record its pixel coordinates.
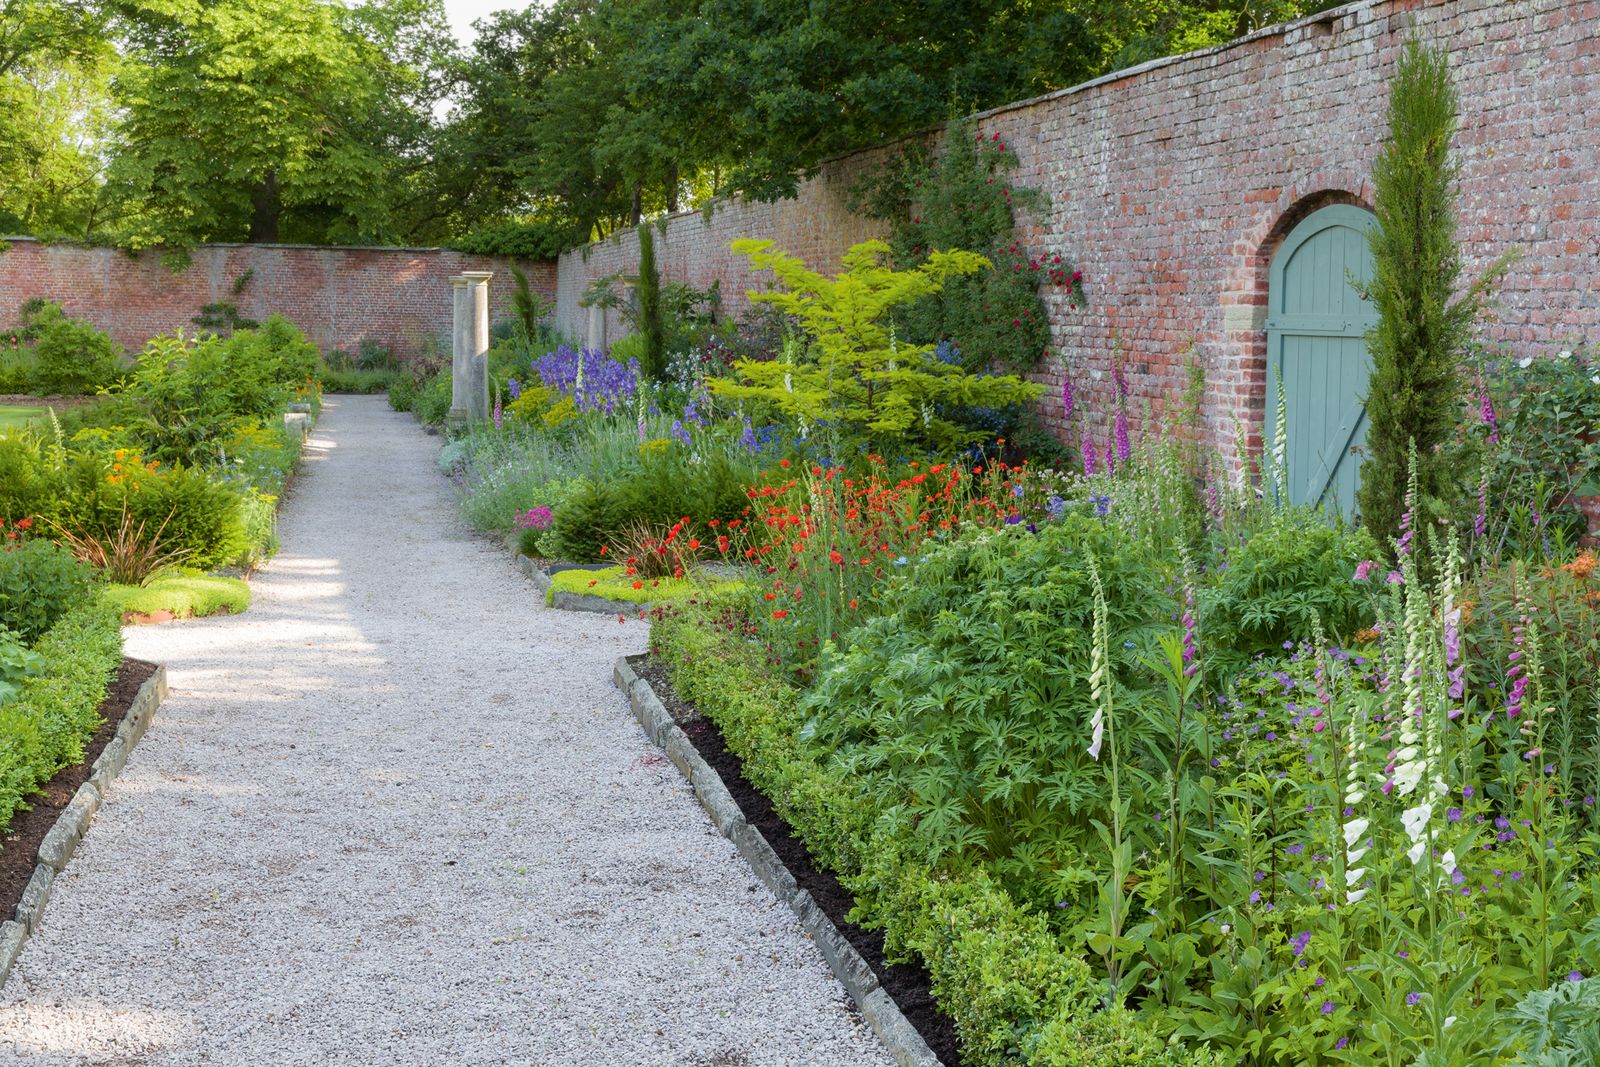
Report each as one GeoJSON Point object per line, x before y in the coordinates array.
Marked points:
{"type": "Point", "coordinates": [265, 206]}
{"type": "Point", "coordinates": [672, 189]}
{"type": "Point", "coordinates": [636, 209]}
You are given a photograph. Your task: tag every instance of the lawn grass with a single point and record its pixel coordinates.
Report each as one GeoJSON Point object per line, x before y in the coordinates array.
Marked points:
{"type": "Point", "coordinates": [184, 594]}
{"type": "Point", "coordinates": [16, 416]}
{"type": "Point", "coordinates": [613, 583]}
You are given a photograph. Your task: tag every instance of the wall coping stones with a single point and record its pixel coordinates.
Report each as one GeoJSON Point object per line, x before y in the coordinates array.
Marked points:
{"type": "Point", "coordinates": [64, 837]}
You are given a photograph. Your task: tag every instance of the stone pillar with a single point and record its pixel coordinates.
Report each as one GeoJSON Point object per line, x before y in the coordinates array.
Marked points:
{"type": "Point", "coordinates": [597, 328]}
{"type": "Point", "coordinates": [478, 346]}
{"type": "Point", "coordinates": [460, 344]}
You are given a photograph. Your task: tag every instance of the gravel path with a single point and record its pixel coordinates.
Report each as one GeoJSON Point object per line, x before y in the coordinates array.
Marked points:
{"type": "Point", "coordinates": [396, 814]}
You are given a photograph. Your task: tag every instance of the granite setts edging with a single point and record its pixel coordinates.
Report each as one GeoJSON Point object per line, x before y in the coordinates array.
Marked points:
{"type": "Point", "coordinates": [903, 1041]}
{"type": "Point", "coordinates": [62, 841]}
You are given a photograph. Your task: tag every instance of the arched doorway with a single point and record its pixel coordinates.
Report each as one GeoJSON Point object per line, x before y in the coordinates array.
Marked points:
{"type": "Point", "coordinates": [1316, 326]}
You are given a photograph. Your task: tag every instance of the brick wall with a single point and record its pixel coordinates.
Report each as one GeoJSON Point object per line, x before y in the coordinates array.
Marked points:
{"type": "Point", "coordinates": [399, 297]}
{"type": "Point", "coordinates": [1171, 185]}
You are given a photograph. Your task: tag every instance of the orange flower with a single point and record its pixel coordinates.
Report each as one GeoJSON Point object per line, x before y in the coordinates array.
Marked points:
{"type": "Point", "coordinates": [638, 585]}
{"type": "Point", "coordinates": [780, 614]}
{"type": "Point", "coordinates": [1582, 567]}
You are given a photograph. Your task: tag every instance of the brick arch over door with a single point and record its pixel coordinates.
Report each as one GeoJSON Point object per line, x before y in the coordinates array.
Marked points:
{"type": "Point", "coordinates": [1241, 370]}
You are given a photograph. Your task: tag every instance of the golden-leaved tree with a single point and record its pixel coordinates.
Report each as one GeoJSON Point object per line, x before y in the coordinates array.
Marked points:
{"type": "Point", "coordinates": [854, 375]}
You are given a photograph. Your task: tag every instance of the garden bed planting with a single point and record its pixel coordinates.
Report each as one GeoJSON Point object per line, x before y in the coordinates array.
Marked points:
{"type": "Point", "coordinates": [19, 843]}
{"type": "Point", "coordinates": [906, 983]}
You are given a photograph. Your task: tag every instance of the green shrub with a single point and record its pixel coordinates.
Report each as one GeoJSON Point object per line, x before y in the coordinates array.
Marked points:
{"type": "Point", "coordinates": [357, 380]}
{"type": "Point", "coordinates": [659, 491]}
{"type": "Point", "coordinates": [45, 727]}
{"type": "Point", "coordinates": [71, 356]}
{"type": "Point", "coordinates": [976, 672]}
{"type": "Point", "coordinates": [963, 198]}
{"type": "Point", "coordinates": [1296, 572]}
{"type": "Point", "coordinates": [30, 487]}
{"type": "Point", "coordinates": [16, 370]}
{"type": "Point", "coordinates": [85, 492]}
{"type": "Point", "coordinates": [17, 661]}
{"type": "Point", "coordinates": [39, 583]}
{"type": "Point", "coordinates": [432, 402]}
{"type": "Point", "coordinates": [203, 516]}
{"type": "Point", "coordinates": [197, 391]}
{"type": "Point", "coordinates": [1017, 994]}
{"type": "Point", "coordinates": [403, 392]}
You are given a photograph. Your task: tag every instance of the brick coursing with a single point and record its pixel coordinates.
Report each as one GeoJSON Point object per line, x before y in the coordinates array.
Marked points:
{"type": "Point", "coordinates": [1172, 184]}
{"type": "Point", "coordinates": [399, 297]}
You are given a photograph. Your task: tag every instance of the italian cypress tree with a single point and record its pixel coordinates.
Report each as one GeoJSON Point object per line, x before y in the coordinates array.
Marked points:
{"type": "Point", "coordinates": [1414, 395]}
{"type": "Point", "coordinates": [653, 361]}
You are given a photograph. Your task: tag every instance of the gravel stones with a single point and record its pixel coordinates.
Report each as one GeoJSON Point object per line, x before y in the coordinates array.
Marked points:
{"type": "Point", "coordinates": [396, 814]}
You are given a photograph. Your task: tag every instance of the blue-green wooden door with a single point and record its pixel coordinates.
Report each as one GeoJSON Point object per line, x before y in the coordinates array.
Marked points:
{"type": "Point", "coordinates": [1316, 326]}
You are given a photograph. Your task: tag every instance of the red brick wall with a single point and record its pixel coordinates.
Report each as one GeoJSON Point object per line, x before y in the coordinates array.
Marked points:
{"type": "Point", "coordinates": [399, 297]}
{"type": "Point", "coordinates": [1171, 185]}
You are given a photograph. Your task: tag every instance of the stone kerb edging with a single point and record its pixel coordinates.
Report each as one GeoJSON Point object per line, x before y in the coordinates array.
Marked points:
{"type": "Point", "coordinates": [905, 1044]}
{"type": "Point", "coordinates": [73, 822]}
{"type": "Point", "coordinates": [566, 601]}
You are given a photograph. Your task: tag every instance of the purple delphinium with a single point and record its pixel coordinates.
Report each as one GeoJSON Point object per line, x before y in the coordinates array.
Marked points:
{"type": "Point", "coordinates": [1066, 397]}
{"type": "Point", "coordinates": [1088, 454]}
{"type": "Point", "coordinates": [1486, 412]}
{"type": "Point", "coordinates": [1123, 448]}
{"type": "Point", "coordinates": [590, 378]}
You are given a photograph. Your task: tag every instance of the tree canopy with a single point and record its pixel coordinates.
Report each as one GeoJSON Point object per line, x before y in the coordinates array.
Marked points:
{"type": "Point", "coordinates": [168, 122]}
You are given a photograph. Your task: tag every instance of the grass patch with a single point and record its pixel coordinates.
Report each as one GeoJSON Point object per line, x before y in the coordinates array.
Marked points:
{"type": "Point", "coordinates": [613, 584]}
{"type": "Point", "coordinates": [185, 595]}
{"type": "Point", "coordinates": [16, 416]}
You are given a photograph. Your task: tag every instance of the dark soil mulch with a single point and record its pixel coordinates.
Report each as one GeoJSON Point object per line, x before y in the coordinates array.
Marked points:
{"type": "Point", "coordinates": [19, 847]}
{"type": "Point", "coordinates": [906, 983]}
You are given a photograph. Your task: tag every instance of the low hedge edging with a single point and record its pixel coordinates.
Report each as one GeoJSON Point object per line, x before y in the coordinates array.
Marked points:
{"type": "Point", "coordinates": [45, 727]}
{"type": "Point", "coordinates": [1015, 993]}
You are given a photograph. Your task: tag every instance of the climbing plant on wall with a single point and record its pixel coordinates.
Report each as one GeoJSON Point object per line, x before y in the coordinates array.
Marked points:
{"type": "Point", "coordinates": [961, 197]}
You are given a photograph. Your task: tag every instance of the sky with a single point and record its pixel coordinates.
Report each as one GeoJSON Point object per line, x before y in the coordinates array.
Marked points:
{"type": "Point", "coordinates": [463, 12]}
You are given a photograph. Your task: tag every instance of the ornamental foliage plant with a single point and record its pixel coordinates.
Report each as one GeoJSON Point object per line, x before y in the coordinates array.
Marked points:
{"type": "Point", "coordinates": [1414, 394]}
{"type": "Point", "coordinates": [856, 375]}
{"type": "Point", "coordinates": [969, 694]}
